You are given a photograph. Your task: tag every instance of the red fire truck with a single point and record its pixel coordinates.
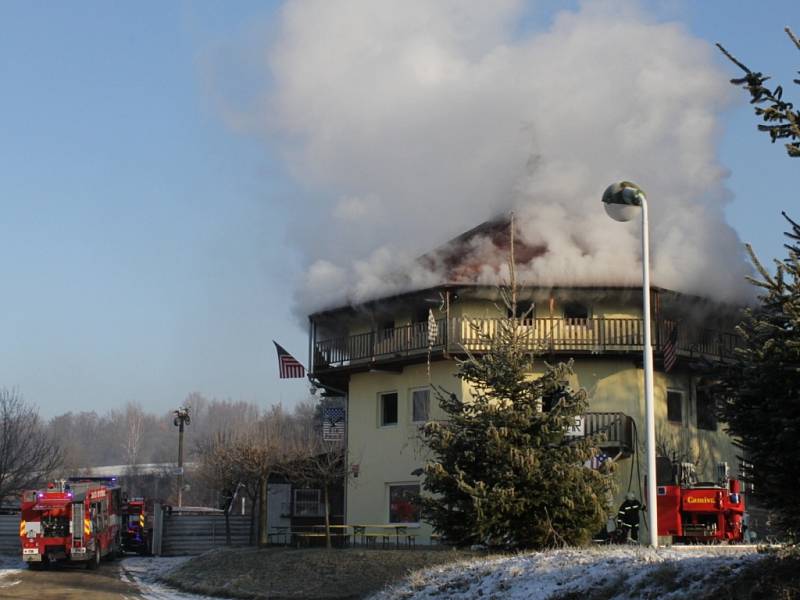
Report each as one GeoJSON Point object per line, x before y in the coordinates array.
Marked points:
{"type": "Point", "coordinates": [137, 525]}
{"type": "Point", "coordinates": [77, 520]}
{"type": "Point", "coordinates": [696, 512]}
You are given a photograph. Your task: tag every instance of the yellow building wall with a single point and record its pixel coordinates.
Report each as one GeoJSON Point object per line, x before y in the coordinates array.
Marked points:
{"type": "Point", "coordinates": [389, 454]}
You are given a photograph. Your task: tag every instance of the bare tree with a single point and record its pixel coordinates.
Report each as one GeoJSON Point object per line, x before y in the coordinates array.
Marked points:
{"type": "Point", "coordinates": [28, 455]}
{"type": "Point", "coordinates": [220, 469]}
{"type": "Point", "coordinates": [678, 448]}
{"type": "Point", "coordinates": [324, 466]}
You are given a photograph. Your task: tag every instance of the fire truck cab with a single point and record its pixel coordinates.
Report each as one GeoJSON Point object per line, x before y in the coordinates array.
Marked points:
{"type": "Point", "coordinates": [76, 520]}
{"type": "Point", "coordinates": [137, 525]}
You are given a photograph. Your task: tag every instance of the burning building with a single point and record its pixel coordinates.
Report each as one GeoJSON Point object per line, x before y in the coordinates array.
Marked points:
{"type": "Point", "coordinates": [376, 353]}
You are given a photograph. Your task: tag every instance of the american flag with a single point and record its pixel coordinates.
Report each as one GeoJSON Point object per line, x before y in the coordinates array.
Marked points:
{"type": "Point", "coordinates": [333, 423]}
{"type": "Point", "coordinates": [288, 365]}
{"type": "Point", "coordinates": [670, 349]}
{"type": "Point", "coordinates": [433, 328]}
{"type": "Point", "coordinates": [597, 461]}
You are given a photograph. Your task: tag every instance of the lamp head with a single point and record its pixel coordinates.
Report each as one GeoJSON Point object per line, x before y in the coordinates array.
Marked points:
{"type": "Point", "coordinates": [622, 199]}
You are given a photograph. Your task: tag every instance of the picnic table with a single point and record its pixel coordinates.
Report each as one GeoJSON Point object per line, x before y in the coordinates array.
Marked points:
{"type": "Point", "coordinates": [370, 534]}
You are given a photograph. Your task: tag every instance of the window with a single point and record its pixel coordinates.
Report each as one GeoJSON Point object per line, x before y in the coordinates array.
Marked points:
{"type": "Point", "coordinates": [388, 405]}
{"type": "Point", "coordinates": [385, 330]}
{"type": "Point", "coordinates": [421, 315]}
{"type": "Point", "coordinates": [404, 503]}
{"type": "Point", "coordinates": [675, 406]}
{"type": "Point", "coordinates": [576, 311]}
{"type": "Point", "coordinates": [307, 503]}
{"type": "Point", "coordinates": [525, 312]}
{"type": "Point", "coordinates": [706, 415]}
{"type": "Point", "coordinates": [420, 405]}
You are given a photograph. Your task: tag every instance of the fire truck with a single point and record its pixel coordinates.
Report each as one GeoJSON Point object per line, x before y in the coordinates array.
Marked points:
{"type": "Point", "coordinates": [73, 520]}
{"type": "Point", "coordinates": [700, 512]}
{"type": "Point", "coordinates": [137, 525]}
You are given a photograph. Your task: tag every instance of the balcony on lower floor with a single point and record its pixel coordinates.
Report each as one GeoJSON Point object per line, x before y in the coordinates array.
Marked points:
{"type": "Point", "coordinates": [614, 432]}
{"type": "Point", "coordinates": [459, 335]}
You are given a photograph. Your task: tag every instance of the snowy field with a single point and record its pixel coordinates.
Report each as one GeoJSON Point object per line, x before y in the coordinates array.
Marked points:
{"type": "Point", "coordinates": [623, 572]}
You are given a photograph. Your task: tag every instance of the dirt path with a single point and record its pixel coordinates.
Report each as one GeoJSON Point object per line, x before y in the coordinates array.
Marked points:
{"type": "Point", "coordinates": [68, 583]}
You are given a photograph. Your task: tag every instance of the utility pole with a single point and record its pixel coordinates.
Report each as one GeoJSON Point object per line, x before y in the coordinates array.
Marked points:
{"type": "Point", "coordinates": [181, 419]}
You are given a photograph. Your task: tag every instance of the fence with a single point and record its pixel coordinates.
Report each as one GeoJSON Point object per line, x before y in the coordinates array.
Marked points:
{"type": "Point", "coordinates": [9, 535]}
{"type": "Point", "coordinates": [196, 533]}
{"type": "Point", "coordinates": [589, 335]}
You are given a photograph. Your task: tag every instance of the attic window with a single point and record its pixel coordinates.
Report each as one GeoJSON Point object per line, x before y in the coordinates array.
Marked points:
{"type": "Point", "coordinates": [576, 311]}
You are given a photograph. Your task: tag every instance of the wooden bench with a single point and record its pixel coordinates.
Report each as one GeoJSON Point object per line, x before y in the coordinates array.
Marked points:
{"type": "Point", "coordinates": [307, 536]}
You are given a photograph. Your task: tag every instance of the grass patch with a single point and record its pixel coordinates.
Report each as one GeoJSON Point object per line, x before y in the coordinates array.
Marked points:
{"type": "Point", "coordinates": [308, 573]}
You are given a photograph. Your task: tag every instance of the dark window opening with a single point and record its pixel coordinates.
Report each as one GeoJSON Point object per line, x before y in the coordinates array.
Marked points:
{"type": "Point", "coordinates": [675, 406]}
{"type": "Point", "coordinates": [576, 311]}
{"type": "Point", "coordinates": [385, 330]}
{"type": "Point", "coordinates": [551, 398]}
{"type": "Point", "coordinates": [706, 411]}
{"type": "Point", "coordinates": [525, 312]}
{"type": "Point", "coordinates": [389, 409]}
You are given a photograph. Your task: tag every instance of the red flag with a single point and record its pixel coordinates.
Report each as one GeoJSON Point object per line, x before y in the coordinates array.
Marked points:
{"type": "Point", "coordinates": [288, 366]}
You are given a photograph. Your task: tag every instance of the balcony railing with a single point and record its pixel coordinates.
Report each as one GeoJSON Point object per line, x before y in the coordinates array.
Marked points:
{"type": "Point", "coordinates": [614, 430]}
{"type": "Point", "coordinates": [547, 335]}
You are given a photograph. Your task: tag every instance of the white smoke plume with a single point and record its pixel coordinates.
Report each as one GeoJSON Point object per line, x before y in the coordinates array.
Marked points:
{"type": "Point", "coordinates": [414, 121]}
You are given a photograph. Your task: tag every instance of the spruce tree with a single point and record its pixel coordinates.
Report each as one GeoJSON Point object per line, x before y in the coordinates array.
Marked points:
{"type": "Point", "coordinates": [503, 473]}
{"type": "Point", "coordinates": [760, 392]}
{"type": "Point", "coordinates": [781, 119]}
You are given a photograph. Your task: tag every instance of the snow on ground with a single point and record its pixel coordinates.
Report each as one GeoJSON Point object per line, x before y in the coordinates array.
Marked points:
{"type": "Point", "coordinates": [667, 573]}
{"type": "Point", "coordinates": [9, 569]}
{"type": "Point", "coordinates": [144, 572]}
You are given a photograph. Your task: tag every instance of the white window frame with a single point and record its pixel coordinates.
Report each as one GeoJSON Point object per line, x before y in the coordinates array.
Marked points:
{"type": "Point", "coordinates": [388, 501]}
{"type": "Point", "coordinates": [381, 424]}
{"type": "Point", "coordinates": [411, 393]}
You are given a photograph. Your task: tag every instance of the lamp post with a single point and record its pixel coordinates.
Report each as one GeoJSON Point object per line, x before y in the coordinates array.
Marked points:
{"type": "Point", "coordinates": [621, 201]}
{"type": "Point", "coordinates": [181, 419]}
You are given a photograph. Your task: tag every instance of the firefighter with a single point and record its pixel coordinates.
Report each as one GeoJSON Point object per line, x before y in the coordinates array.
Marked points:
{"type": "Point", "coordinates": [628, 516]}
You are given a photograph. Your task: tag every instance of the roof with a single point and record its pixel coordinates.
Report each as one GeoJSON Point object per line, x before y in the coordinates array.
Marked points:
{"type": "Point", "coordinates": [465, 256]}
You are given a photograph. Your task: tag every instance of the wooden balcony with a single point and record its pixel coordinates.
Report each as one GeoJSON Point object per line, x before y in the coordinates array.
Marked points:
{"type": "Point", "coordinates": [614, 431]}
{"type": "Point", "coordinates": [455, 336]}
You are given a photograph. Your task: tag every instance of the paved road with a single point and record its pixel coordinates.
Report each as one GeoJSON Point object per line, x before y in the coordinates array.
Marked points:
{"type": "Point", "coordinates": [68, 583]}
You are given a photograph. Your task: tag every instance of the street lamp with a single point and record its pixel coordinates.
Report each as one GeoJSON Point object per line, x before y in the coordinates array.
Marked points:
{"type": "Point", "coordinates": [181, 419]}
{"type": "Point", "coordinates": [621, 201]}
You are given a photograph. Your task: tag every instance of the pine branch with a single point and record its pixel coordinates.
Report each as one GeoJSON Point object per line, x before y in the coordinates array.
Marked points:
{"type": "Point", "coordinates": [782, 121]}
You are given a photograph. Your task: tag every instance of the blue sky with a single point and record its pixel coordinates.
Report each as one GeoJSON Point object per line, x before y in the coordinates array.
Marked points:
{"type": "Point", "coordinates": [146, 241]}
